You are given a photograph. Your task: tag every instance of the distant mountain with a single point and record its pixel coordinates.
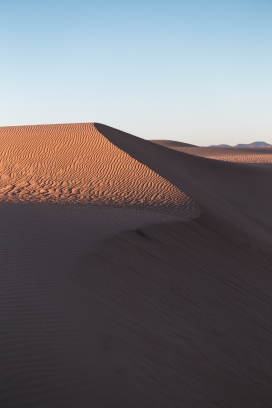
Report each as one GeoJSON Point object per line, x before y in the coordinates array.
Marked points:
{"type": "Point", "coordinates": [254, 144]}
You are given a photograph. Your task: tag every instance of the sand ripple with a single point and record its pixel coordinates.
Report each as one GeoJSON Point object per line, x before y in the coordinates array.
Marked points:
{"type": "Point", "coordinates": [74, 163]}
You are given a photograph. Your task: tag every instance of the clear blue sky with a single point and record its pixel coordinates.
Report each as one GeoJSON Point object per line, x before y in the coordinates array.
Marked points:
{"type": "Point", "coordinates": [197, 71]}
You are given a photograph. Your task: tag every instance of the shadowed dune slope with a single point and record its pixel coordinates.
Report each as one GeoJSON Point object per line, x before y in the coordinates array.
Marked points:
{"type": "Point", "coordinates": [53, 346]}
{"type": "Point", "coordinates": [196, 328]}
{"type": "Point", "coordinates": [236, 192]}
{"type": "Point", "coordinates": [230, 154]}
{"type": "Point", "coordinates": [76, 164]}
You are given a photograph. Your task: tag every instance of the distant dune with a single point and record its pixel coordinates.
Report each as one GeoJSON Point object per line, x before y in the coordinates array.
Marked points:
{"type": "Point", "coordinates": [258, 152]}
{"type": "Point", "coordinates": [133, 274]}
{"type": "Point", "coordinates": [172, 143]}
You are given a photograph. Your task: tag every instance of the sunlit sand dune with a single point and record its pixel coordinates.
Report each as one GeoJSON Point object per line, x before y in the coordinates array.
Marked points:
{"type": "Point", "coordinates": [76, 164]}
{"type": "Point", "coordinates": [132, 275]}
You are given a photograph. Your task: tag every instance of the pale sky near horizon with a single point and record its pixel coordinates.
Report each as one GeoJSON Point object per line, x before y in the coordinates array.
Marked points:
{"type": "Point", "coordinates": [197, 71]}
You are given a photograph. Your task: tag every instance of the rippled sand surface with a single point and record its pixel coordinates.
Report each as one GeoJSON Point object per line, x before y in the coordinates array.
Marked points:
{"type": "Point", "coordinates": [77, 164]}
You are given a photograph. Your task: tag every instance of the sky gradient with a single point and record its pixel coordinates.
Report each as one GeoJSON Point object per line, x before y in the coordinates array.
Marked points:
{"type": "Point", "coordinates": [196, 71]}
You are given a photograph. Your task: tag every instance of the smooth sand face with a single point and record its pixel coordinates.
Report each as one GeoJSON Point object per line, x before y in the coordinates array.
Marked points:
{"type": "Point", "coordinates": [52, 347]}
{"type": "Point", "coordinates": [258, 155]}
{"type": "Point", "coordinates": [76, 164]}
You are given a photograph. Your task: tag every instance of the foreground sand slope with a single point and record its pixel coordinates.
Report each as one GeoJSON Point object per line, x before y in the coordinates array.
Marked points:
{"type": "Point", "coordinates": [76, 164]}
{"type": "Point", "coordinates": [52, 344]}
{"type": "Point", "coordinates": [195, 330]}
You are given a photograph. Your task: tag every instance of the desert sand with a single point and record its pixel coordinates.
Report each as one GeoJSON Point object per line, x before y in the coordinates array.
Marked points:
{"type": "Point", "coordinates": [76, 164]}
{"type": "Point", "coordinates": [132, 274]}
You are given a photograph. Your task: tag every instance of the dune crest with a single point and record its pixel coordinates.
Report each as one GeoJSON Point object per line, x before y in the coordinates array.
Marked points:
{"type": "Point", "coordinates": [74, 163]}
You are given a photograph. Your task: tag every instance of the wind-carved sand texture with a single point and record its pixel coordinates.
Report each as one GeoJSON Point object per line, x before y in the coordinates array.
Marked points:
{"type": "Point", "coordinates": [74, 163]}
{"type": "Point", "coordinates": [258, 155]}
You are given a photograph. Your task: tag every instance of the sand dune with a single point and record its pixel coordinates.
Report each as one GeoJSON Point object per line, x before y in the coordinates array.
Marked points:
{"type": "Point", "coordinates": [106, 304]}
{"type": "Point", "coordinates": [172, 144]}
{"type": "Point", "coordinates": [230, 154]}
{"type": "Point", "coordinates": [76, 164]}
